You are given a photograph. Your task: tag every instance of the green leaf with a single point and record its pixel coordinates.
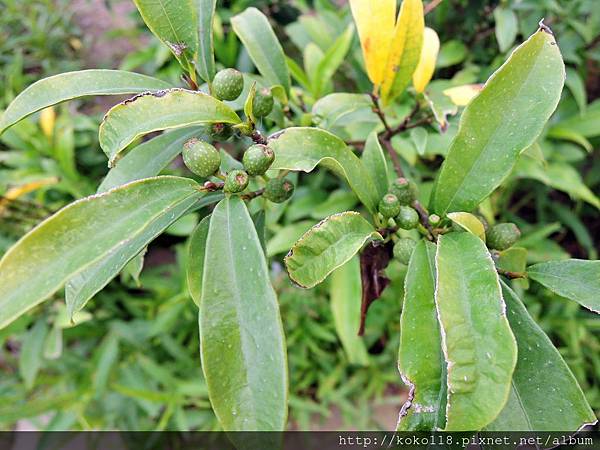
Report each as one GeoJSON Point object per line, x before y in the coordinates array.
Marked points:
{"type": "Point", "coordinates": [174, 22]}
{"type": "Point", "coordinates": [80, 235]}
{"type": "Point", "coordinates": [71, 85]}
{"type": "Point", "coordinates": [284, 238]}
{"type": "Point", "coordinates": [54, 343]}
{"type": "Point", "coordinates": [586, 124]}
{"type": "Point", "coordinates": [206, 49]}
{"type": "Point", "coordinates": [88, 282]}
{"type": "Point", "coordinates": [241, 337]}
{"type": "Point", "coordinates": [30, 357]}
{"type": "Point", "coordinates": [331, 61]}
{"type": "Point", "coordinates": [503, 120]}
{"type": "Point", "coordinates": [248, 104]}
{"type": "Point", "coordinates": [577, 87]}
{"type": "Point", "coordinates": [327, 246]}
{"type": "Point", "coordinates": [544, 394]}
{"type": "Point", "coordinates": [374, 161]}
{"type": "Point", "coordinates": [575, 279]}
{"type": "Point", "coordinates": [148, 159]}
{"type": "Point", "coordinates": [479, 347]}
{"type": "Point", "coordinates": [507, 27]}
{"type": "Point", "coordinates": [195, 261]}
{"type": "Point", "coordinates": [305, 148]}
{"type": "Point", "coordinates": [144, 113]}
{"type": "Point", "coordinates": [418, 137]}
{"type": "Point", "coordinates": [345, 294]}
{"type": "Point", "coordinates": [468, 222]}
{"type": "Point", "coordinates": [420, 358]}
{"type": "Point", "coordinates": [342, 109]}
{"type": "Point", "coordinates": [255, 32]}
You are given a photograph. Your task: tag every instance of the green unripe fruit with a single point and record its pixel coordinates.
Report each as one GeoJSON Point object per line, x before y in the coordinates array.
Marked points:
{"type": "Point", "coordinates": [236, 181]}
{"type": "Point", "coordinates": [434, 220]}
{"type": "Point", "coordinates": [278, 190]}
{"type": "Point", "coordinates": [403, 249]}
{"type": "Point", "coordinates": [389, 206]}
{"type": "Point", "coordinates": [407, 218]}
{"type": "Point", "coordinates": [257, 159]}
{"type": "Point", "coordinates": [502, 236]}
{"type": "Point", "coordinates": [405, 190]}
{"type": "Point", "coordinates": [263, 103]}
{"type": "Point", "coordinates": [201, 157]}
{"type": "Point", "coordinates": [221, 131]}
{"type": "Point", "coordinates": [228, 84]}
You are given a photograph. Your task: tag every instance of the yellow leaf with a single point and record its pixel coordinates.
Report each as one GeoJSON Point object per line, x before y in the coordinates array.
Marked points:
{"type": "Point", "coordinates": [18, 191]}
{"type": "Point", "coordinates": [462, 95]}
{"type": "Point", "coordinates": [468, 222]}
{"type": "Point", "coordinates": [426, 66]}
{"type": "Point", "coordinates": [47, 120]}
{"type": "Point", "coordinates": [405, 50]}
{"type": "Point", "coordinates": [375, 23]}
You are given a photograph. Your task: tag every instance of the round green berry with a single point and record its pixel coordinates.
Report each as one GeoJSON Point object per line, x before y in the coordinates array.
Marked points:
{"type": "Point", "coordinates": [407, 218]}
{"type": "Point", "coordinates": [257, 159]}
{"type": "Point", "coordinates": [405, 190]}
{"type": "Point", "coordinates": [220, 131]}
{"type": "Point", "coordinates": [263, 103]}
{"type": "Point", "coordinates": [502, 236]}
{"type": "Point", "coordinates": [236, 181]}
{"type": "Point", "coordinates": [228, 84]}
{"type": "Point", "coordinates": [403, 249]}
{"type": "Point", "coordinates": [201, 157]}
{"type": "Point", "coordinates": [278, 190]}
{"type": "Point", "coordinates": [389, 206]}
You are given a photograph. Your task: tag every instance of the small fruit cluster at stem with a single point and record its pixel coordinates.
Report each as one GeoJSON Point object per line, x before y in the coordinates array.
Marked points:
{"type": "Point", "coordinates": [278, 190]}
{"type": "Point", "coordinates": [263, 103]}
{"type": "Point", "coordinates": [396, 204]}
{"type": "Point", "coordinates": [403, 249]}
{"type": "Point", "coordinates": [201, 158]}
{"type": "Point", "coordinates": [502, 236]}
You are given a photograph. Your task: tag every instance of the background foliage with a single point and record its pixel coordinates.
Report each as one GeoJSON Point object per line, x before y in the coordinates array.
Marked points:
{"type": "Point", "coordinates": [135, 366]}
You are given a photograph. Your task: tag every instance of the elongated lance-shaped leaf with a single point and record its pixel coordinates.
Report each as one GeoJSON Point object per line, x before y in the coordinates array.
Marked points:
{"type": "Point", "coordinates": [174, 22]}
{"type": "Point", "coordinates": [326, 246]}
{"type": "Point", "coordinates": [345, 294]}
{"type": "Point", "coordinates": [255, 32]}
{"type": "Point", "coordinates": [544, 394]}
{"type": "Point", "coordinates": [503, 120]}
{"type": "Point", "coordinates": [375, 23]}
{"type": "Point", "coordinates": [305, 148]}
{"type": "Point", "coordinates": [374, 160]}
{"type": "Point", "coordinates": [426, 66]}
{"type": "Point", "coordinates": [195, 260]}
{"type": "Point", "coordinates": [87, 283]}
{"type": "Point", "coordinates": [78, 236]}
{"type": "Point", "coordinates": [144, 161]}
{"type": "Point", "coordinates": [479, 347]}
{"type": "Point", "coordinates": [405, 50]}
{"type": "Point", "coordinates": [149, 158]}
{"type": "Point", "coordinates": [575, 279]}
{"type": "Point", "coordinates": [70, 85]}
{"type": "Point", "coordinates": [206, 48]}
{"type": "Point", "coordinates": [331, 61]}
{"type": "Point", "coordinates": [241, 336]}
{"type": "Point", "coordinates": [144, 113]}
{"type": "Point", "coordinates": [420, 359]}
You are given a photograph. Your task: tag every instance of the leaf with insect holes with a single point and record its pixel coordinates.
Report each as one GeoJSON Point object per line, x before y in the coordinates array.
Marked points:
{"type": "Point", "coordinates": [327, 246]}
{"type": "Point", "coordinates": [479, 347]}
{"type": "Point", "coordinates": [70, 85]}
{"type": "Point", "coordinates": [498, 124]}
{"type": "Point", "coordinates": [174, 22]}
{"type": "Point", "coordinates": [175, 108]}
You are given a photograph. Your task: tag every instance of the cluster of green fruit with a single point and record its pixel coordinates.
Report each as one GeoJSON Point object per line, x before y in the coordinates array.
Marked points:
{"type": "Point", "coordinates": [204, 160]}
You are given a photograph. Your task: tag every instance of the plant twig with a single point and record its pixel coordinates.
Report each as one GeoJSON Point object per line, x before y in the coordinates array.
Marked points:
{"type": "Point", "coordinates": [511, 275]}
{"type": "Point", "coordinates": [258, 138]}
{"type": "Point", "coordinates": [431, 6]}
{"type": "Point", "coordinates": [253, 194]}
